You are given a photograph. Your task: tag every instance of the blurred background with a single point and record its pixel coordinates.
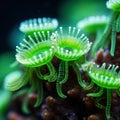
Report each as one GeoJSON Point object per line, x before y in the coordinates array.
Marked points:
{"type": "Point", "coordinates": [68, 12]}
{"type": "Point", "coordinates": [12, 13]}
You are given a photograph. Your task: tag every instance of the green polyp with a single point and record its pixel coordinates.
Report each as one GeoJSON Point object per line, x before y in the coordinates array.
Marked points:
{"type": "Point", "coordinates": [93, 23]}
{"type": "Point", "coordinates": [14, 81]}
{"type": "Point", "coordinates": [35, 51]}
{"type": "Point", "coordinates": [113, 5]}
{"type": "Point", "coordinates": [38, 25]}
{"type": "Point", "coordinates": [67, 47]}
{"type": "Point", "coordinates": [106, 78]}
{"type": "Point", "coordinates": [92, 28]}
{"type": "Point", "coordinates": [70, 46]}
{"type": "Point", "coordinates": [38, 50]}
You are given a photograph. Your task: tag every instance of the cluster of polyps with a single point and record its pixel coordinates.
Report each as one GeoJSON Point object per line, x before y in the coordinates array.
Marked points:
{"type": "Point", "coordinates": [41, 44]}
{"type": "Point", "coordinates": [39, 47]}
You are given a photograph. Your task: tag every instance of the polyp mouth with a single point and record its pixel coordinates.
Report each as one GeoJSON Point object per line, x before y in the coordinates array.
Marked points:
{"type": "Point", "coordinates": [37, 55]}
{"type": "Point", "coordinates": [70, 48]}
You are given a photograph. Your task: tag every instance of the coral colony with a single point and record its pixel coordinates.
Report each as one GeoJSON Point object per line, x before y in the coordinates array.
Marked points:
{"type": "Point", "coordinates": [64, 74]}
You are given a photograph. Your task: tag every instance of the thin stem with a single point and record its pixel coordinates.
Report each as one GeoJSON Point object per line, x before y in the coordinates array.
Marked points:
{"type": "Point", "coordinates": [95, 44]}
{"type": "Point", "coordinates": [61, 76]}
{"type": "Point", "coordinates": [25, 108]}
{"type": "Point", "coordinates": [107, 110]}
{"type": "Point", "coordinates": [37, 85]}
{"type": "Point", "coordinates": [113, 38]}
{"type": "Point", "coordinates": [118, 91]}
{"type": "Point", "coordinates": [81, 61]}
{"type": "Point", "coordinates": [97, 94]}
{"type": "Point", "coordinates": [98, 104]}
{"type": "Point", "coordinates": [39, 74]}
{"type": "Point", "coordinates": [20, 93]}
{"type": "Point", "coordinates": [79, 78]}
{"type": "Point", "coordinates": [66, 72]}
{"type": "Point", "coordinates": [118, 24]}
{"type": "Point", "coordinates": [25, 103]}
{"type": "Point", "coordinates": [53, 75]}
{"type": "Point", "coordinates": [39, 88]}
{"type": "Point", "coordinates": [107, 30]}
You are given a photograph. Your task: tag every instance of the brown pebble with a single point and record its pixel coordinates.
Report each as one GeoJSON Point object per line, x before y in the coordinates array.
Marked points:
{"type": "Point", "coordinates": [93, 117]}
{"type": "Point", "coordinates": [33, 98]}
{"type": "Point", "coordinates": [89, 102]}
{"type": "Point", "coordinates": [99, 56]}
{"type": "Point", "coordinates": [48, 115]}
{"type": "Point", "coordinates": [107, 55]}
{"type": "Point", "coordinates": [75, 92]}
{"type": "Point", "coordinates": [50, 101]}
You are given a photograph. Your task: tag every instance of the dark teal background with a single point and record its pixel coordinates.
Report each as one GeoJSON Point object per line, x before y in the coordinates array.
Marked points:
{"type": "Point", "coordinates": [69, 12]}
{"type": "Point", "coordinates": [13, 12]}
